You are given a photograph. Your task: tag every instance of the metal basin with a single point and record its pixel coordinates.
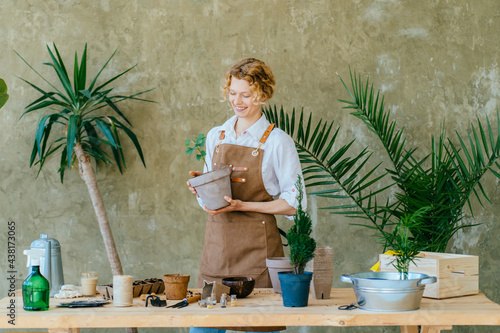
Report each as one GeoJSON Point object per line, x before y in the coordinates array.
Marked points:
{"type": "Point", "coordinates": [386, 291]}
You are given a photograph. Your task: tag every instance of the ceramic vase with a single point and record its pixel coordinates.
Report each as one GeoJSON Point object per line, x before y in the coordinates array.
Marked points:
{"type": "Point", "coordinates": [213, 186]}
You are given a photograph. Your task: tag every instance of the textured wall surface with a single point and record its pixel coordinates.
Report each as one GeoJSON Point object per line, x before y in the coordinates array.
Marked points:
{"type": "Point", "coordinates": [434, 60]}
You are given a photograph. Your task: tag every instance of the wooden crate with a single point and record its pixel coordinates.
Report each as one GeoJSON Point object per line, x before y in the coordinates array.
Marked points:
{"type": "Point", "coordinates": [457, 274]}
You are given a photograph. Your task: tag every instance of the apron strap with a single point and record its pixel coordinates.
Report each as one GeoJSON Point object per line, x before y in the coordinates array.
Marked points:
{"type": "Point", "coordinates": [221, 137]}
{"type": "Point", "coordinates": [263, 139]}
{"type": "Point", "coordinates": [282, 233]}
{"type": "Point", "coordinates": [266, 134]}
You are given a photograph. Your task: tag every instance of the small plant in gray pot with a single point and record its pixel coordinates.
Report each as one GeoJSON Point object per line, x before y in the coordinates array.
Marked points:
{"type": "Point", "coordinates": [295, 284]}
{"type": "Point", "coordinates": [211, 186]}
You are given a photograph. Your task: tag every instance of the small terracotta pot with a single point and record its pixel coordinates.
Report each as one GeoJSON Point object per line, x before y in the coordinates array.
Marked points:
{"type": "Point", "coordinates": [176, 285]}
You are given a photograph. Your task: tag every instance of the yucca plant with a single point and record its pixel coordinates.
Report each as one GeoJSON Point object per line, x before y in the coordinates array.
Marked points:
{"type": "Point", "coordinates": [78, 120]}
{"type": "Point", "coordinates": [443, 180]}
{"type": "Point", "coordinates": [3, 93]}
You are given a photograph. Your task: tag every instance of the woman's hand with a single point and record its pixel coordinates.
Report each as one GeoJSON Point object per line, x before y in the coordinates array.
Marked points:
{"type": "Point", "coordinates": [234, 205]}
{"type": "Point", "coordinates": [193, 174]}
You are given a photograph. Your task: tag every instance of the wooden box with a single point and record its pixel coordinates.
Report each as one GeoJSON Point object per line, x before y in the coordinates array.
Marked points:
{"type": "Point", "coordinates": [457, 274]}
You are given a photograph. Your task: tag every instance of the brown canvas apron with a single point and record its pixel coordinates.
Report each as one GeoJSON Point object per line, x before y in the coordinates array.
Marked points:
{"type": "Point", "coordinates": [238, 243]}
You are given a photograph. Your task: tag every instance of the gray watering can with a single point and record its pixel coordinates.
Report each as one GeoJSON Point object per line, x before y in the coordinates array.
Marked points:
{"type": "Point", "coordinates": [48, 251]}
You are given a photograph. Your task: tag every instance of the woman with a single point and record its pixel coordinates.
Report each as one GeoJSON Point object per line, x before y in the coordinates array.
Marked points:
{"type": "Point", "coordinates": [265, 164]}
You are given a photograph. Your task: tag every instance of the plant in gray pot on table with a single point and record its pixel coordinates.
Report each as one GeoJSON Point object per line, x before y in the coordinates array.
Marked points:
{"type": "Point", "coordinates": [295, 284]}
{"type": "Point", "coordinates": [211, 186]}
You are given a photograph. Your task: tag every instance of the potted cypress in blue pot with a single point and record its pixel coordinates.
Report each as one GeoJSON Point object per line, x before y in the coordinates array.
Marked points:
{"type": "Point", "coordinates": [295, 284]}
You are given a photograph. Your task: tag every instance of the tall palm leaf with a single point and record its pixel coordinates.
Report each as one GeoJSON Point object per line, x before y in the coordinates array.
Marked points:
{"type": "Point", "coordinates": [443, 180]}
{"type": "Point", "coordinates": [334, 172]}
{"type": "Point", "coordinates": [439, 183]}
{"type": "Point", "coordinates": [79, 121]}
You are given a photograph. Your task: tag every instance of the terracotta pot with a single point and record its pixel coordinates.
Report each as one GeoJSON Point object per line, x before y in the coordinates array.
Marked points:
{"type": "Point", "coordinates": [276, 265]}
{"type": "Point", "coordinates": [176, 285]}
{"type": "Point", "coordinates": [213, 186]}
{"type": "Point", "coordinates": [322, 267]}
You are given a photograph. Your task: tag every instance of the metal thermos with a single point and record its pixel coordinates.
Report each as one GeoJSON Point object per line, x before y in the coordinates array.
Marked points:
{"type": "Point", "coordinates": [49, 252]}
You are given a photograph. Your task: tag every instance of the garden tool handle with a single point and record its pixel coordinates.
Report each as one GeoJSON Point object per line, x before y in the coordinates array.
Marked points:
{"type": "Point", "coordinates": [143, 297]}
{"type": "Point", "coordinates": [193, 299]}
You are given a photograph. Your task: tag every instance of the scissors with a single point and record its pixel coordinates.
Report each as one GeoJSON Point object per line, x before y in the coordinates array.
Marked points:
{"type": "Point", "coordinates": [348, 307]}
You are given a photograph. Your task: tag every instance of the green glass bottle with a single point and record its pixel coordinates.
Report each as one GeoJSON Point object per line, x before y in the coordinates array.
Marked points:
{"type": "Point", "coordinates": [36, 290]}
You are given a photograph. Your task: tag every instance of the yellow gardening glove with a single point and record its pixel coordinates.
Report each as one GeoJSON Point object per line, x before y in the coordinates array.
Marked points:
{"type": "Point", "coordinates": [376, 267]}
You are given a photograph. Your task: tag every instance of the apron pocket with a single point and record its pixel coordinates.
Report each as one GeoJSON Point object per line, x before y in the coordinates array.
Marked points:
{"type": "Point", "coordinates": [235, 248]}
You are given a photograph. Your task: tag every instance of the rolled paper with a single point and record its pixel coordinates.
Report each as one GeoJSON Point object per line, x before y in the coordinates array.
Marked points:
{"type": "Point", "coordinates": [122, 290]}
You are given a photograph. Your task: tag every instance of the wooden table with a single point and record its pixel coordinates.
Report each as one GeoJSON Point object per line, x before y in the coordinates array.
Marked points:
{"type": "Point", "coordinates": [261, 308]}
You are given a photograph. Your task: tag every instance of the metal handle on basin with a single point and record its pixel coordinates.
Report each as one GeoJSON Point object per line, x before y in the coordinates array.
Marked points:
{"type": "Point", "coordinates": [427, 280]}
{"type": "Point", "coordinates": [346, 278]}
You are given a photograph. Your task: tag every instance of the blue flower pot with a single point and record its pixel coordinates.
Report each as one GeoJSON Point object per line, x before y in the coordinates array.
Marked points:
{"type": "Point", "coordinates": [295, 288]}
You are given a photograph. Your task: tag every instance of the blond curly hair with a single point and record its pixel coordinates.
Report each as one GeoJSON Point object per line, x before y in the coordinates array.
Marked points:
{"type": "Point", "coordinates": [258, 75]}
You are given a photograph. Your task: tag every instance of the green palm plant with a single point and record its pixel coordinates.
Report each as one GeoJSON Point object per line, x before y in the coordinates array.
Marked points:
{"type": "Point", "coordinates": [3, 93]}
{"type": "Point", "coordinates": [87, 119]}
{"type": "Point", "coordinates": [443, 180]}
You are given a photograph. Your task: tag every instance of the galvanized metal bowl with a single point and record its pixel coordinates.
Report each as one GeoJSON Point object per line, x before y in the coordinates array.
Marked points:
{"type": "Point", "coordinates": [386, 291]}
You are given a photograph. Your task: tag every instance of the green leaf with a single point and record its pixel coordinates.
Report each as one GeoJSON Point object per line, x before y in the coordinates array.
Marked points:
{"type": "Point", "coordinates": [71, 136]}
{"type": "Point", "coordinates": [113, 106]}
{"type": "Point", "coordinates": [61, 73]}
{"type": "Point", "coordinates": [132, 137]}
{"type": "Point", "coordinates": [106, 130]}
{"type": "Point", "coordinates": [3, 87]}
{"type": "Point", "coordinates": [3, 99]}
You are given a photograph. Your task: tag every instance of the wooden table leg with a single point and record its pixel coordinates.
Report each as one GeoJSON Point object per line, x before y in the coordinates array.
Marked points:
{"type": "Point", "coordinates": [64, 330]}
{"type": "Point", "coordinates": [425, 329]}
{"type": "Point", "coordinates": [435, 329]}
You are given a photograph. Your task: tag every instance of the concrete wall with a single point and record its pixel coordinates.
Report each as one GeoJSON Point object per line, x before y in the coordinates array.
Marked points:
{"type": "Point", "coordinates": [434, 61]}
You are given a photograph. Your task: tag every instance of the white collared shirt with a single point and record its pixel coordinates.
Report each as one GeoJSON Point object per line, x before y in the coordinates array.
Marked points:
{"type": "Point", "coordinates": [280, 163]}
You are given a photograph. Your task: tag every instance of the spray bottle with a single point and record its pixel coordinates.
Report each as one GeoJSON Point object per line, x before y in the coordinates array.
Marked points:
{"type": "Point", "coordinates": [36, 288]}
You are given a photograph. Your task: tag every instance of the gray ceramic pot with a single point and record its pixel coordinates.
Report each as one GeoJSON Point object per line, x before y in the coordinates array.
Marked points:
{"type": "Point", "coordinates": [213, 186]}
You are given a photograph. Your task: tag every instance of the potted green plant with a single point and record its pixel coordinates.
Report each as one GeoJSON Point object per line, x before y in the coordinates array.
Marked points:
{"type": "Point", "coordinates": [440, 183]}
{"type": "Point", "coordinates": [443, 180]}
{"type": "Point", "coordinates": [211, 186]}
{"type": "Point", "coordinates": [87, 119]}
{"type": "Point", "coordinates": [295, 284]}
{"type": "Point", "coordinates": [3, 93]}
